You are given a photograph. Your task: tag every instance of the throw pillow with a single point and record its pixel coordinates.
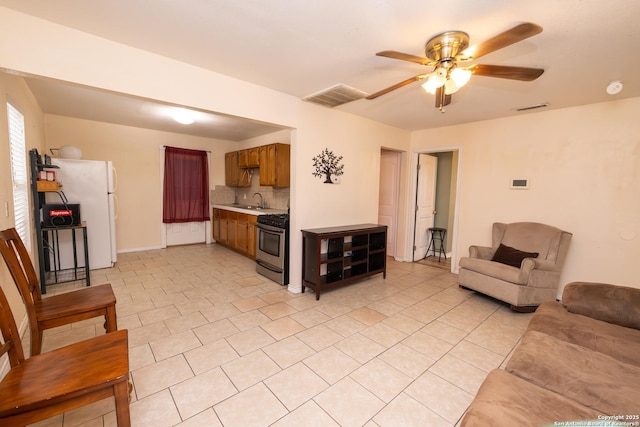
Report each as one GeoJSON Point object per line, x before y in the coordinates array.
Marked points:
{"type": "Point", "coordinates": [511, 256]}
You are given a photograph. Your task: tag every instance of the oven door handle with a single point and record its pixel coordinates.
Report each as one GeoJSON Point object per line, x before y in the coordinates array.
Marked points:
{"type": "Point", "coordinates": [269, 228]}
{"type": "Point", "coordinates": [268, 266]}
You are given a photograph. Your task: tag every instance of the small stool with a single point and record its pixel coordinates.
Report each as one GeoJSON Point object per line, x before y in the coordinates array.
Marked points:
{"type": "Point", "coordinates": [437, 242]}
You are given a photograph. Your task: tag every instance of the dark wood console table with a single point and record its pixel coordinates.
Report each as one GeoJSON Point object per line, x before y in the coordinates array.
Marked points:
{"type": "Point", "coordinates": [336, 256]}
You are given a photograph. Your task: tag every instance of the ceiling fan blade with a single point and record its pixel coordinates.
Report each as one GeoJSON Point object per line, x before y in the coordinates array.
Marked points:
{"type": "Point", "coordinates": [404, 57]}
{"type": "Point", "coordinates": [397, 86]}
{"type": "Point", "coordinates": [524, 74]}
{"type": "Point", "coordinates": [507, 38]}
{"type": "Point", "coordinates": [442, 99]}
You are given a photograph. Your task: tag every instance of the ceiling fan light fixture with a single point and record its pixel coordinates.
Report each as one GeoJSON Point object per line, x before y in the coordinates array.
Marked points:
{"type": "Point", "coordinates": [435, 80]}
{"type": "Point", "coordinates": [460, 76]}
{"type": "Point", "coordinates": [433, 83]}
{"type": "Point", "coordinates": [450, 87]}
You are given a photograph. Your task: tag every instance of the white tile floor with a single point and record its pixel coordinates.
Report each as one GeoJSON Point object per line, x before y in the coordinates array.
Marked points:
{"type": "Point", "coordinates": [214, 344]}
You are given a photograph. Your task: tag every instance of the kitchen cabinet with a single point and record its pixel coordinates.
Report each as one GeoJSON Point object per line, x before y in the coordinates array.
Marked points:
{"type": "Point", "coordinates": [274, 161]}
{"type": "Point", "coordinates": [224, 235]}
{"type": "Point", "coordinates": [235, 231]}
{"type": "Point", "coordinates": [275, 164]}
{"type": "Point", "coordinates": [249, 158]}
{"type": "Point", "coordinates": [216, 224]}
{"type": "Point", "coordinates": [232, 224]}
{"type": "Point", "coordinates": [246, 234]}
{"type": "Point", "coordinates": [336, 256]}
{"type": "Point", "coordinates": [234, 176]}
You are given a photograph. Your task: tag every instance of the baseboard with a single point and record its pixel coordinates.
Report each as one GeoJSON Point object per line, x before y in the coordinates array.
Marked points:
{"type": "Point", "coordinates": [148, 248]}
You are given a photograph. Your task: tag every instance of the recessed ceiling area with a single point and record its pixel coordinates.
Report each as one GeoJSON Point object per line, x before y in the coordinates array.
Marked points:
{"type": "Point", "coordinates": [71, 100]}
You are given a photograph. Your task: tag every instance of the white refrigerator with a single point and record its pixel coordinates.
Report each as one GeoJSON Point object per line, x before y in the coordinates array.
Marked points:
{"type": "Point", "coordinates": [91, 184]}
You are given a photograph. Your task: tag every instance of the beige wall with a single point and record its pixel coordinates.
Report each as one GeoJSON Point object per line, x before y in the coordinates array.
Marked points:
{"type": "Point", "coordinates": [14, 90]}
{"type": "Point", "coordinates": [583, 164]}
{"type": "Point", "coordinates": [73, 56]}
{"type": "Point", "coordinates": [135, 153]}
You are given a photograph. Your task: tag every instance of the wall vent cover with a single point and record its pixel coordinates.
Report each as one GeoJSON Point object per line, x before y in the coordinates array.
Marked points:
{"type": "Point", "coordinates": [335, 96]}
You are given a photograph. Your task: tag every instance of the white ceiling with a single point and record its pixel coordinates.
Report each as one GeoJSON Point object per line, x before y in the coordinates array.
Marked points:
{"type": "Point", "coordinates": [303, 47]}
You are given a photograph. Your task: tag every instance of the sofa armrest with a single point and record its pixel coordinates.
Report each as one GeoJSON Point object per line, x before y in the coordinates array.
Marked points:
{"type": "Point", "coordinates": [482, 252]}
{"type": "Point", "coordinates": [610, 303]}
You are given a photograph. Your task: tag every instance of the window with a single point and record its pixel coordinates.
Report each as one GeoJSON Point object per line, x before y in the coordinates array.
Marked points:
{"type": "Point", "coordinates": [19, 174]}
{"type": "Point", "coordinates": [186, 186]}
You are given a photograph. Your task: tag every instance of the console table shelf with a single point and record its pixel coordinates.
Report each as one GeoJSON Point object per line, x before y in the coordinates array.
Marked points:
{"type": "Point", "coordinates": [335, 256]}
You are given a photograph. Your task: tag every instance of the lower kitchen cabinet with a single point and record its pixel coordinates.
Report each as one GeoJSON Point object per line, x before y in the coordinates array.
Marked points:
{"type": "Point", "coordinates": [235, 231]}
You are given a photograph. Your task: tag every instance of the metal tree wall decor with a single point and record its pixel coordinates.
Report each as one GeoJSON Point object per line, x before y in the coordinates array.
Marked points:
{"type": "Point", "coordinates": [327, 164]}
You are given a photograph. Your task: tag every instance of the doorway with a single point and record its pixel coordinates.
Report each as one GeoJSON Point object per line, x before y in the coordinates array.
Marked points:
{"type": "Point", "coordinates": [389, 196]}
{"type": "Point", "coordinates": [425, 204]}
{"type": "Point", "coordinates": [442, 186]}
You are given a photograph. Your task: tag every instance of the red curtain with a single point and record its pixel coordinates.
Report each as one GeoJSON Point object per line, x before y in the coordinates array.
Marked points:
{"type": "Point", "coordinates": [186, 186]}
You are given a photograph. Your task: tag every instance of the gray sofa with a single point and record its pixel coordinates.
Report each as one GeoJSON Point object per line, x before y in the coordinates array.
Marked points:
{"type": "Point", "coordinates": [522, 267]}
{"type": "Point", "coordinates": [578, 360]}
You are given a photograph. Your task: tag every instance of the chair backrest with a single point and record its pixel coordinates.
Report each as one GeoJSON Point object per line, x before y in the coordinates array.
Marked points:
{"type": "Point", "coordinates": [547, 240]}
{"type": "Point", "coordinates": [19, 263]}
{"type": "Point", "coordinates": [11, 338]}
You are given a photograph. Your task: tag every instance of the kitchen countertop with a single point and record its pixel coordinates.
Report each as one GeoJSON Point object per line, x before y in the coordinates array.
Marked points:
{"type": "Point", "coordinates": [250, 209]}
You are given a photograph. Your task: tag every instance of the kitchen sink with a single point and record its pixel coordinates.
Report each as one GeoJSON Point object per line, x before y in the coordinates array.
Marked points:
{"type": "Point", "coordinates": [251, 207]}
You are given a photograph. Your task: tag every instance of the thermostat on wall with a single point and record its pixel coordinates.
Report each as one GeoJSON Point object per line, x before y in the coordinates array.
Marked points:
{"type": "Point", "coordinates": [519, 183]}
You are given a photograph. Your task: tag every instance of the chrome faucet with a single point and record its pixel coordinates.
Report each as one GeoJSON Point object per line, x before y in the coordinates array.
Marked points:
{"type": "Point", "coordinates": [261, 204]}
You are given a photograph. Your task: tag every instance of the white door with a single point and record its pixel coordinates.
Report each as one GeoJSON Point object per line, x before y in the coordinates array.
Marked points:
{"type": "Point", "coordinates": [388, 198]}
{"type": "Point", "coordinates": [425, 203]}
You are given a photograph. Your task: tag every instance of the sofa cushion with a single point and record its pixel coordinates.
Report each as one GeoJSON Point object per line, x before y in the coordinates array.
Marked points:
{"type": "Point", "coordinates": [511, 256]}
{"type": "Point", "coordinates": [609, 303]}
{"type": "Point", "coordinates": [590, 378]}
{"type": "Point", "coordinates": [616, 341]}
{"type": "Point", "coordinates": [504, 400]}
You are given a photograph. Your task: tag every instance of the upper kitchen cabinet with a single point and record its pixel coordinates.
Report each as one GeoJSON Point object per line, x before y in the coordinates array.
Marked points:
{"type": "Point", "coordinates": [249, 158]}
{"type": "Point", "coordinates": [234, 176]}
{"type": "Point", "coordinates": [274, 165]}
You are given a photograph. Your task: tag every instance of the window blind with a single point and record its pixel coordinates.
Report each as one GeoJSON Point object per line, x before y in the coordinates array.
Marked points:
{"type": "Point", "coordinates": [19, 174]}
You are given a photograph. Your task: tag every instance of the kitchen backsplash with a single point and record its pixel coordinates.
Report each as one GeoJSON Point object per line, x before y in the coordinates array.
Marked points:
{"type": "Point", "coordinates": [276, 198]}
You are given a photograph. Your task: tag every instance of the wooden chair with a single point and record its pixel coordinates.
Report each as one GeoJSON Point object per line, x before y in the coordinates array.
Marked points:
{"type": "Point", "coordinates": [56, 310]}
{"type": "Point", "coordinates": [64, 379]}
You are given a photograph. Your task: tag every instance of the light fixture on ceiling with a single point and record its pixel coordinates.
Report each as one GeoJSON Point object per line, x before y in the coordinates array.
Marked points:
{"type": "Point", "coordinates": [448, 75]}
{"type": "Point", "coordinates": [184, 116]}
{"type": "Point", "coordinates": [614, 88]}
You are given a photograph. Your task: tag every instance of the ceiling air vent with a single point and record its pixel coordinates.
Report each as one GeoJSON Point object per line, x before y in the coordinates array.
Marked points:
{"type": "Point", "coordinates": [335, 95]}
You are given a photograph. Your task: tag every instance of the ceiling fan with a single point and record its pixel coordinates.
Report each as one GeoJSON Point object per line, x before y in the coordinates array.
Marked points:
{"type": "Point", "coordinates": [446, 50]}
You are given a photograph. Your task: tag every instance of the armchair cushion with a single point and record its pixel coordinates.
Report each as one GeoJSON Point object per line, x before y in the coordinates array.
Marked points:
{"type": "Point", "coordinates": [511, 256]}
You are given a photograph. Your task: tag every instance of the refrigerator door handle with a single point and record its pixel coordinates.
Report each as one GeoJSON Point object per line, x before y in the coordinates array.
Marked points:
{"type": "Point", "coordinates": [115, 179]}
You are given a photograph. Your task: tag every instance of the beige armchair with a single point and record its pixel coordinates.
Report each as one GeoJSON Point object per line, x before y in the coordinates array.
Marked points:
{"type": "Point", "coordinates": [521, 268]}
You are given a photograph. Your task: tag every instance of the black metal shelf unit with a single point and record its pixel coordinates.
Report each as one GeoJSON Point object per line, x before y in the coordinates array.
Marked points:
{"type": "Point", "coordinates": [48, 244]}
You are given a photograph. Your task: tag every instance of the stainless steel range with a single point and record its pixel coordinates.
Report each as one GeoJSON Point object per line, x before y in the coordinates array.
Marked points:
{"type": "Point", "coordinates": [272, 247]}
